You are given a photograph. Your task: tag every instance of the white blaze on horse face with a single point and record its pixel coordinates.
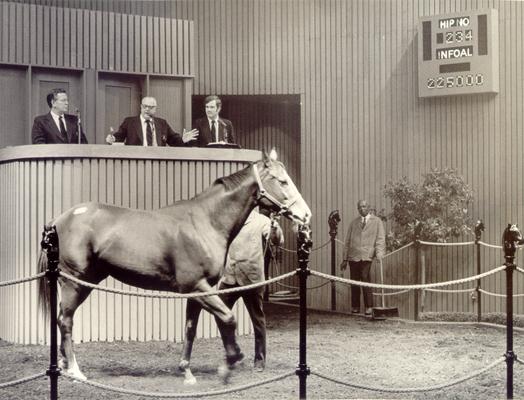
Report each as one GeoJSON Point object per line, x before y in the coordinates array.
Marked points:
{"type": "Point", "coordinates": [273, 154]}
{"type": "Point", "coordinates": [80, 210]}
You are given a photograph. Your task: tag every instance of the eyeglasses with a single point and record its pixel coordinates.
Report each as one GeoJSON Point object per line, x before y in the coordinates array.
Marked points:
{"type": "Point", "coordinates": [148, 106]}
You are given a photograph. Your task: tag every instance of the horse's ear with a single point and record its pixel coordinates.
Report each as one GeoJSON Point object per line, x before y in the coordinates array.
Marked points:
{"type": "Point", "coordinates": [273, 154]}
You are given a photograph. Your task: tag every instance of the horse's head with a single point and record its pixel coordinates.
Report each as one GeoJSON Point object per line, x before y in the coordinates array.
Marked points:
{"type": "Point", "coordinates": [510, 239]}
{"type": "Point", "coordinates": [277, 192]}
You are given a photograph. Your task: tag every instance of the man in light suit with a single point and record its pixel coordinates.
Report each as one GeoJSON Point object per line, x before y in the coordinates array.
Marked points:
{"type": "Point", "coordinates": [365, 239]}
{"type": "Point", "coordinates": [212, 128]}
{"type": "Point", "coordinates": [147, 130]}
{"type": "Point", "coordinates": [56, 126]}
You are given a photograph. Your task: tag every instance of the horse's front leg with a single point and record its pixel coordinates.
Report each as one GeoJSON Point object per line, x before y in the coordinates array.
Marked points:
{"type": "Point", "coordinates": [193, 309]}
{"type": "Point", "coordinates": [227, 325]}
{"type": "Point", "coordinates": [72, 296]}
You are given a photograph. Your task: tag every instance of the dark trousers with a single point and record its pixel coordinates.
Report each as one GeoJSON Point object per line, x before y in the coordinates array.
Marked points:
{"type": "Point", "coordinates": [253, 299]}
{"type": "Point", "coordinates": [359, 271]}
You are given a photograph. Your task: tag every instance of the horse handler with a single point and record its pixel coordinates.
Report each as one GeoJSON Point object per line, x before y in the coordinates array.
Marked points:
{"type": "Point", "coordinates": [245, 266]}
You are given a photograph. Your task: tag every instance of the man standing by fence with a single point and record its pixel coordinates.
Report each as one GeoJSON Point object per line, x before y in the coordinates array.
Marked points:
{"type": "Point", "coordinates": [365, 239]}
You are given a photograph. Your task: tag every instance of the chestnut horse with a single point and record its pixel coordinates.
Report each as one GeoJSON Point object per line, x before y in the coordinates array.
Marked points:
{"type": "Point", "coordinates": [180, 248]}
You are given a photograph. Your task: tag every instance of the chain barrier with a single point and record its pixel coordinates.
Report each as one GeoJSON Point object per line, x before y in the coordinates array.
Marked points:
{"type": "Point", "coordinates": [412, 389]}
{"type": "Point", "coordinates": [392, 293]}
{"type": "Point", "coordinates": [22, 380]}
{"type": "Point", "coordinates": [418, 286]}
{"type": "Point", "coordinates": [444, 244]}
{"type": "Point", "coordinates": [499, 294]}
{"type": "Point", "coordinates": [175, 295]}
{"type": "Point", "coordinates": [451, 290]}
{"type": "Point", "coordinates": [489, 245]}
{"type": "Point", "coordinates": [519, 361]}
{"type": "Point", "coordinates": [22, 280]}
{"type": "Point", "coordinates": [179, 395]}
{"type": "Point", "coordinates": [399, 249]}
{"type": "Point", "coordinates": [330, 278]}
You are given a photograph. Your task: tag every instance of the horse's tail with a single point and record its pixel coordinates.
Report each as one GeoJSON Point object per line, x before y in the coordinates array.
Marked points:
{"type": "Point", "coordinates": [44, 295]}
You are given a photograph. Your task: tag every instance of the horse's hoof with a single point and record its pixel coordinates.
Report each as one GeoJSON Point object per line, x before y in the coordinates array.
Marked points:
{"type": "Point", "coordinates": [62, 364]}
{"type": "Point", "coordinates": [190, 381]}
{"type": "Point", "coordinates": [224, 372]}
{"type": "Point", "coordinates": [76, 374]}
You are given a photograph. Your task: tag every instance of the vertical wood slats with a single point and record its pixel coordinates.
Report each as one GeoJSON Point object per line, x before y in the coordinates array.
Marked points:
{"type": "Point", "coordinates": [71, 38]}
{"type": "Point", "coordinates": [36, 191]}
{"type": "Point", "coordinates": [364, 125]}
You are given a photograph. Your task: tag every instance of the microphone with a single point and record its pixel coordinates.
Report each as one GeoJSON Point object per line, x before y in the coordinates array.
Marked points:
{"type": "Point", "coordinates": [226, 133]}
{"type": "Point", "coordinates": [76, 110]}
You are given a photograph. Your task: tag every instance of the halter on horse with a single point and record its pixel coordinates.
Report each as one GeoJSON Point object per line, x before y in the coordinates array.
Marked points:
{"type": "Point", "coordinates": [180, 248]}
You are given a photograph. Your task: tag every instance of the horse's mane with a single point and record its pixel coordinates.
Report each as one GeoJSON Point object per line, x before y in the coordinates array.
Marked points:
{"type": "Point", "coordinates": [234, 180]}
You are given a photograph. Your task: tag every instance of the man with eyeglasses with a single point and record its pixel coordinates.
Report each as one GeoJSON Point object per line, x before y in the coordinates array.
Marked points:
{"type": "Point", "coordinates": [148, 130]}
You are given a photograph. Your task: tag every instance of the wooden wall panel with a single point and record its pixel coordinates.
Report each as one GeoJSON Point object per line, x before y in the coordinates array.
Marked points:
{"type": "Point", "coordinates": [362, 125]}
{"type": "Point", "coordinates": [66, 37]}
{"type": "Point", "coordinates": [36, 190]}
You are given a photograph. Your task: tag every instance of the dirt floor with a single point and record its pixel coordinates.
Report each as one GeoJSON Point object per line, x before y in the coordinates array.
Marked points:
{"type": "Point", "coordinates": [391, 354]}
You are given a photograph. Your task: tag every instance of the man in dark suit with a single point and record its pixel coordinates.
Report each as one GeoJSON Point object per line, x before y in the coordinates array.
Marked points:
{"type": "Point", "coordinates": [148, 130]}
{"type": "Point", "coordinates": [212, 128]}
{"type": "Point", "coordinates": [56, 126]}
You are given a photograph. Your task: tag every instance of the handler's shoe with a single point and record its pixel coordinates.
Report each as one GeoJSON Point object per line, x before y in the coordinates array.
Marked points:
{"type": "Point", "coordinates": [355, 310]}
{"type": "Point", "coordinates": [260, 365]}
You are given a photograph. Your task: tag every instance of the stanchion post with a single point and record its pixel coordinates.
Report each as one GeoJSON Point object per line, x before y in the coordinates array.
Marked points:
{"type": "Point", "coordinates": [304, 244]}
{"type": "Point", "coordinates": [333, 220]}
{"type": "Point", "coordinates": [479, 228]}
{"type": "Point", "coordinates": [510, 239]}
{"type": "Point", "coordinates": [416, 293]}
{"type": "Point", "coordinates": [50, 246]}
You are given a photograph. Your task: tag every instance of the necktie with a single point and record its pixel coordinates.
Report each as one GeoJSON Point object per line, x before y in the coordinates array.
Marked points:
{"type": "Point", "coordinates": [363, 222]}
{"type": "Point", "coordinates": [213, 131]}
{"type": "Point", "coordinates": [149, 133]}
{"type": "Point", "coordinates": [63, 131]}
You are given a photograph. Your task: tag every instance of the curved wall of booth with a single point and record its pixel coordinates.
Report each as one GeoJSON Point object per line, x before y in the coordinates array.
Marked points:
{"type": "Point", "coordinates": [40, 182]}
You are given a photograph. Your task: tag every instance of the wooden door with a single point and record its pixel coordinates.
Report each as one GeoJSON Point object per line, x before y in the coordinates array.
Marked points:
{"type": "Point", "coordinates": [13, 107]}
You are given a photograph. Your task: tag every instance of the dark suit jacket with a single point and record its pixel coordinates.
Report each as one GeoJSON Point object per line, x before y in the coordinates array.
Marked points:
{"type": "Point", "coordinates": [130, 132]}
{"type": "Point", "coordinates": [45, 130]}
{"type": "Point", "coordinates": [226, 132]}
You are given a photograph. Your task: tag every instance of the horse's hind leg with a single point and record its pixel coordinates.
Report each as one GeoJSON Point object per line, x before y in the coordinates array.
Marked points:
{"type": "Point", "coordinates": [72, 295]}
{"type": "Point", "coordinates": [193, 309]}
{"type": "Point", "coordinates": [227, 325]}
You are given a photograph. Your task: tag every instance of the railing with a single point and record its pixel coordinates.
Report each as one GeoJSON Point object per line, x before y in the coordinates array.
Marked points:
{"type": "Point", "coordinates": [304, 245]}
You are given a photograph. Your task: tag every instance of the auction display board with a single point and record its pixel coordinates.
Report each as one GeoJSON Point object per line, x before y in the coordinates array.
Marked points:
{"type": "Point", "coordinates": [458, 54]}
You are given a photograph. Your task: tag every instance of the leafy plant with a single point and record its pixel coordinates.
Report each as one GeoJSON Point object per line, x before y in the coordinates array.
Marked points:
{"type": "Point", "coordinates": [435, 210]}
